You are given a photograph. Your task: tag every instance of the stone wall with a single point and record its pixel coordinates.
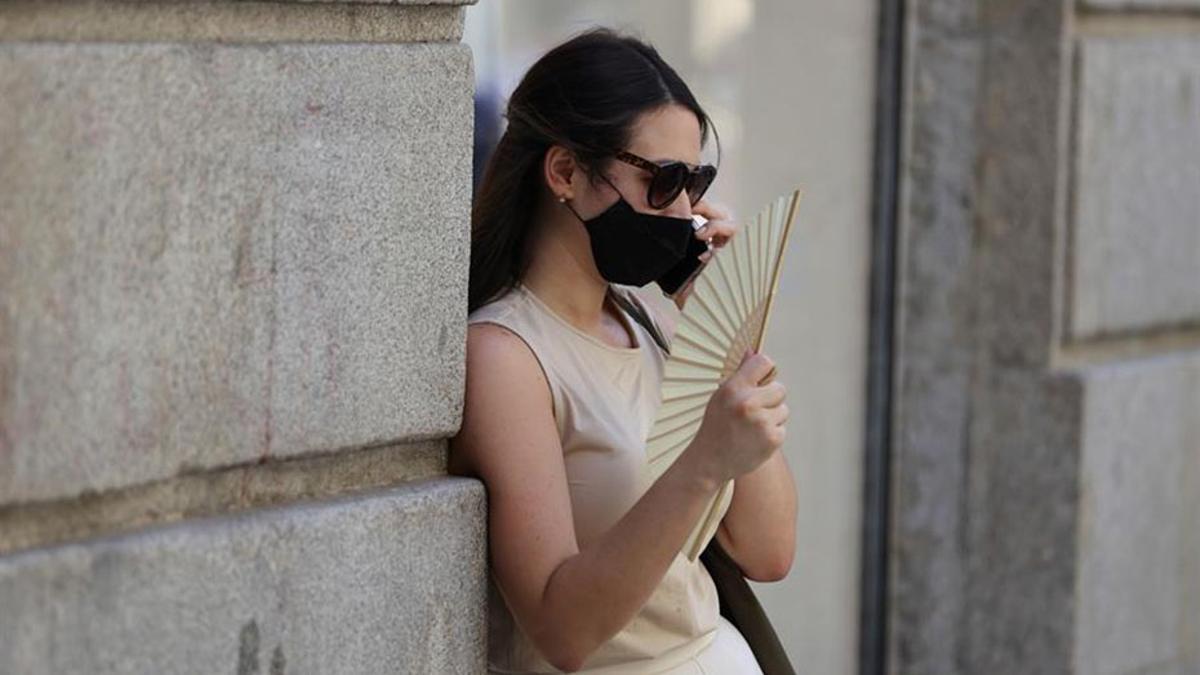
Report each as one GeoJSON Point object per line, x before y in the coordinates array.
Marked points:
{"type": "Point", "coordinates": [1132, 331]}
{"type": "Point", "coordinates": [233, 270]}
{"type": "Point", "coordinates": [1047, 418]}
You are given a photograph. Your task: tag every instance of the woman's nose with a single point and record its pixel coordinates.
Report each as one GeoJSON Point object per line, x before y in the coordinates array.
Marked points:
{"type": "Point", "coordinates": [681, 207]}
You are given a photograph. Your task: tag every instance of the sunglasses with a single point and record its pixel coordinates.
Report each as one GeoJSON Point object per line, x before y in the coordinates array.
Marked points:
{"type": "Point", "coordinates": [671, 178]}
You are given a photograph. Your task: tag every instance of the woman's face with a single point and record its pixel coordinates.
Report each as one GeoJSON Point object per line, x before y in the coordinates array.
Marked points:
{"type": "Point", "coordinates": [669, 133]}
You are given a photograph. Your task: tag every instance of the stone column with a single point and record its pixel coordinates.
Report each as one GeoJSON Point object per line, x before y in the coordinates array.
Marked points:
{"type": "Point", "coordinates": [233, 272]}
{"type": "Point", "coordinates": [1047, 419]}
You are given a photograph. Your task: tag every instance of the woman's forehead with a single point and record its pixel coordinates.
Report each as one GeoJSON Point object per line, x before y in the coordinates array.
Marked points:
{"type": "Point", "coordinates": [667, 133]}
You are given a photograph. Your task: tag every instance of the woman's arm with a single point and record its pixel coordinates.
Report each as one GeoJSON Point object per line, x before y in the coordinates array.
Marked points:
{"type": "Point", "coordinates": [569, 601]}
{"type": "Point", "coordinates": [759, 529]}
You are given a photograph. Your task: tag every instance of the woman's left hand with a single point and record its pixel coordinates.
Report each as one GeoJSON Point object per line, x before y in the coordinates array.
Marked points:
{"type": "Point", "coordinates": [719, 230]}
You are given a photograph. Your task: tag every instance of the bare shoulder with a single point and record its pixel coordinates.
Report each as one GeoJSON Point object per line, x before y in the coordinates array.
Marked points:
{"type": "Point", "coordinates": [499, 363]}
{"type": "Point", "coordinates": [492, 347]}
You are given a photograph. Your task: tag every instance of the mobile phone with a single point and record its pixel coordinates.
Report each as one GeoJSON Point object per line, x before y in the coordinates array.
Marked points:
{"type": "Point", "coordinates": [685, 270]}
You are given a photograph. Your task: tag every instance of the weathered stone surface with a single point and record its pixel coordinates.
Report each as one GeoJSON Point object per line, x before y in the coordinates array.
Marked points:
{"type": "Point", "coordinates": [212, 253]}
{"type": "Point", "coordinates": [1020, 113]}
{"type": "Point", "coordinates": [224, 21]}
{"type": "Point", "coordinates": [975, 311]}
{"type": "Point", "coordinates": [989, 439]}
{"type": "Point", "coordinates": [1139, 544]}
{"type": "Point", "coordinates": [389, 2]}
{"type": "Point", "coordinates": [934, 348]}
{"type": "Point", "coordinates": [1136, 229]}
{"type": "Point", "coordinates": [220, 491]}
{"type": "Point", "coordinates": [1142, 4]}
{"type": "Point", "coordinates": [1019, 523]}
{"type": "Point", "coordinates": [388, 582]}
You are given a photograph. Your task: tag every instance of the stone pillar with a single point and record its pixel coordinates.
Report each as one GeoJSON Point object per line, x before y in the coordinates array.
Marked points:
{"type": "Point", "coordinates": [1047, 419]}
{"type": "Point", "coordinates": [233, 279]}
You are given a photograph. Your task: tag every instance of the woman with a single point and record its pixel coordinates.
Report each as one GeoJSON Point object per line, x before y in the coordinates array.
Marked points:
{"type": "Point", "coordinates": [578, 202]}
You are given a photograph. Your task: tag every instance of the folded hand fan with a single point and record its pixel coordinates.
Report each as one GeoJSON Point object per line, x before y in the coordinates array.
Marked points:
{"type": "Point", "coordinates": [725, 314]}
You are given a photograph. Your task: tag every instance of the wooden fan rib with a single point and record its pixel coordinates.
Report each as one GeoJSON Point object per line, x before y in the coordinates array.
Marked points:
{"type": "Point", "coordinates": [684, 428]}
{"type": "Point", "coordinates": [677, 371]}
{"type": "Point", "coordinates": [715, 379]}
{"type": "Point", "coordinates": [731, 268]}
{"type": "Point", "coordinates": [754, 243]}
{"type": "Point", "coordinates": [683, 397]}
{"type": "Point", "coordinates": [767, 270]}
{"type": "Point", "coordinates": [791, 205]}
{"type": "Point", "coordinates": [692, 342]}
{"type": "Point", "coordinates": [771, 218]}
{"type": "Point", "coordinates": [657, 464]}
{"type": "Point", "coordinates": [728, 332]}
{"type": "Point", "coordinates": [704, 287]}
{"type": "Point", "coordinates": [773, 251]}
{"type": "Point", "coordinates": [764, 247]}
{"type": "Point", "coordinates": [695, 363]}
{"type": "Point", "coordinates": [692, 408]}
{"type": "Point", "coordinates": [743, 268]}
{"type": "Point", "coordinates": [769, 252]}
{"type": "Point", "coordinates": [739, 313]}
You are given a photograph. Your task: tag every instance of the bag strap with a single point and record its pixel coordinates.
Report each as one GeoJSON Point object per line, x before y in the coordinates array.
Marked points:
{"type": "Point", "coordinates": [740, 607]}
{"type": "Point", "coordinates": [638, 315]}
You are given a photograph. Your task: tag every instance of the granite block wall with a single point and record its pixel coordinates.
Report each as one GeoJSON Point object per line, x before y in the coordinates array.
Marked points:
{"type": "Point", "coordinates": [1047, 404]}
{"type": "Point", "coordinates": [233, 270]}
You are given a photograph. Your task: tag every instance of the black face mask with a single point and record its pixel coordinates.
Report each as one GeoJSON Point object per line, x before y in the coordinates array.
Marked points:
{"type": "Point", "coordinates": [635, 248]}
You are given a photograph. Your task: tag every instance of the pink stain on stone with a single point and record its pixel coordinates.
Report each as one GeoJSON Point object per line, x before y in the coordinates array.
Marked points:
{"type": "Point", "coordinates": [331, 350]}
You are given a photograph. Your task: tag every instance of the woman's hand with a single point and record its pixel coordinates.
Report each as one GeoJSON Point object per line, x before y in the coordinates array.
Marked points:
{"type": "Point", "coordinates": [744, 422]}
{"type": "Point", "coordinates": [720, 226]}
{"type": "Point", "coordinates": [719, 230]}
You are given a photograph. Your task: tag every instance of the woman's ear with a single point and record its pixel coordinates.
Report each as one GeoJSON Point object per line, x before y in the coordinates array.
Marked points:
{"type": "Point", "coordinates": [560, 171]}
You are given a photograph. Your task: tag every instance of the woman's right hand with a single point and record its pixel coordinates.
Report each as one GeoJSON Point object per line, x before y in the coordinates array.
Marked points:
{"type": "Point", "coordinates": [743, 424]}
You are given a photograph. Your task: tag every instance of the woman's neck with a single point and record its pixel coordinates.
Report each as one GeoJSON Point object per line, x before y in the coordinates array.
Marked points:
{"type": "Point", "coordinates": [563, 276]}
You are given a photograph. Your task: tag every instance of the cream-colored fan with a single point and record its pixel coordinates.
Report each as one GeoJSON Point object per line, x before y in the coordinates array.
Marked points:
{"type": "Point", "coordinates": [725, 314]}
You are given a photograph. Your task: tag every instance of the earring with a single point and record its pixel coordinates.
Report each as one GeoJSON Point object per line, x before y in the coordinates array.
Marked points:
{"type": "Point", "coordinates": [561, 199]}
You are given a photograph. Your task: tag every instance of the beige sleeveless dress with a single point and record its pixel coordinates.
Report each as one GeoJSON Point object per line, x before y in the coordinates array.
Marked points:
{"type": "Point", "coordinates": [605, 399]}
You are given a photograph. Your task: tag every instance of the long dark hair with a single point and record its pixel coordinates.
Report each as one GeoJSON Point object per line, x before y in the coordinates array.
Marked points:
{"type": "Point", "coordinates": [584, 95]}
